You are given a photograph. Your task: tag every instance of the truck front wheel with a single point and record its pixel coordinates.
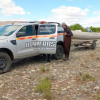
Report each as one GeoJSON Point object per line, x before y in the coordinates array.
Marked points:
{"type": "Point", "coordinates": [59, 52]}
{"type": "Point", "coordinates": [5, 62]}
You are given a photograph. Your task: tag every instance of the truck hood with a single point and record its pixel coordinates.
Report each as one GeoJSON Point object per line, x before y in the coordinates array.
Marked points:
{"type": "Point", "coordinates": [3, 37]}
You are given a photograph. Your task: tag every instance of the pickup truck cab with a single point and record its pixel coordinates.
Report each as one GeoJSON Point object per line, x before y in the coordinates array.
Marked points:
{"type": "Point", "coordinates": [21, 40]}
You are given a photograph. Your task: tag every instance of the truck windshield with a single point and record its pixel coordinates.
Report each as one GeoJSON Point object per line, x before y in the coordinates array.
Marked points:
{"type": "Point", "coordinates": [7, 30]}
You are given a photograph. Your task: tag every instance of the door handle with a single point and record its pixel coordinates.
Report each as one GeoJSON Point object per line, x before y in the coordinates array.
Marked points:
{"type": "Point", "coordinates": [52, 38]}
{"type": "Point", "coordinates": [34, 39]}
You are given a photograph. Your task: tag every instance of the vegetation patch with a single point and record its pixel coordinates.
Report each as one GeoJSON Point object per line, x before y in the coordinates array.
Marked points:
{"type": "Point", "coordinates": [80, 27]}
{"type": "Point", "coordinates": [89, 77]}
{"type": "Point", "coordinates": [44, 87]}
{"type": "Point", "coordinates": [43, 69]}
{"type": "Point", "coordinates": [98, 97]}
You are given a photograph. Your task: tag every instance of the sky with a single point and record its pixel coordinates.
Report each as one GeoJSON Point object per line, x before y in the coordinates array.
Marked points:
{"type": "Point", "coordinates": [84, 12]}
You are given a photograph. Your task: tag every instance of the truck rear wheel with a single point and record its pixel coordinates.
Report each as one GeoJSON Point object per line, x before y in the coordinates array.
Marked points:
{"type": "Point", "coordinates": [5, 62]}
{"type": "Point", "coordinates": [59, 52]}
{"type": "Point", "coordinates": [93, 46]}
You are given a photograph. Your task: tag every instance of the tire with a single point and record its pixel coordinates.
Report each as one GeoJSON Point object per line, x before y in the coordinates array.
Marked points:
{"type": "Point", "coordinates": [93, 46]}
{"type": "Point", "coordinates": [5, 62]}
{"type": "Point", "coordinates": [59, 52]}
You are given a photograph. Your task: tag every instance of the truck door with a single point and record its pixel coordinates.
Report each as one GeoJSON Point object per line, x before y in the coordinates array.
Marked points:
{"type": "Point", "coordinates": [47, 38]}
{"type": "Point", "coordinates": [25, 42]}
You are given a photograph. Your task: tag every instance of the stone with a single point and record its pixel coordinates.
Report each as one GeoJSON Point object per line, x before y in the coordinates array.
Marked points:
{"type": "Point", "coordinates": [64, 89]}
{"type": "Point", "coordinates": [37, 94]}
{"type": "Point", "coordinates": [68, 87]}
{"type": "Point", "coordinates": [79, 95]}
{"type": "Point", "coordinates": [62, 93]}
{"type": "Point", "coordinates": [32, 70]}
{"type": "Point", "coordinates": [73, 72]}
{"type": "Point", "coordinates": [78, 89]}
{"type": "Point", "coordinates": [96, 88]}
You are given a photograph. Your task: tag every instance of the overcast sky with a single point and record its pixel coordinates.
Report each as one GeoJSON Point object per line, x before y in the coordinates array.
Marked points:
{"type": "Point", "coordinates": [85, 12]}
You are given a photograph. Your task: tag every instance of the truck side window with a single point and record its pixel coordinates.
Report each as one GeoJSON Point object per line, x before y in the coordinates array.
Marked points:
{"type": "Point", "coordinates": [60, 32]}
{"type": "Point", "coordinates": [28, 30]}
{"type": "Point", "coordinates": [47, 29]}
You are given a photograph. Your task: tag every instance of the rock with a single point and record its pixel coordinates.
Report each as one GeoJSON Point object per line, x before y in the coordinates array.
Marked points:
{"type": "Point", "coordinates": [33, 71]}
{"type": "Point", "coordinates": [56, 85]}
{"type": "Point", "coordinates": [37, 94]}
{"type": "Point", "coordinates": [73, 80]}
{"type": "Point", "coordinates": [64, 89]}
{"type": "Point", "coordinates": [68, 87]}
{"type": "Point", "coordinates": [1, 85]}
{"type": "Point", "coordinates": [87, 87]}
{"type": "Point", "coordinates": [79, 95]}
{"type": "Point", "coordinates": [63, 92]}
{"type": "Point", "coordinates": [78, 89]}
{"type": "Point", "coordinates": [73, 72]}
{"type": "Point", "coordinates": [96, 88]}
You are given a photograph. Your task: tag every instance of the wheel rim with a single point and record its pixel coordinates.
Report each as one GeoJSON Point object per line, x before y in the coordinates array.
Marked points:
{"type": "Point", "coordinates": [2, 63]}
{"type": "Point", "coordinates": [59, 52]}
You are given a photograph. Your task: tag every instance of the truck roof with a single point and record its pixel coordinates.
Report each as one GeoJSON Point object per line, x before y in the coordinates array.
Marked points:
{"type": "Point", "coordinates": [23, 24]}
{"type": "Point", "coordinates": [32, 24]}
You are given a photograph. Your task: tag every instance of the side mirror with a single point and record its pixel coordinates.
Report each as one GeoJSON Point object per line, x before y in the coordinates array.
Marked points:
{"type": "Point", "coordinates": [20, 34]}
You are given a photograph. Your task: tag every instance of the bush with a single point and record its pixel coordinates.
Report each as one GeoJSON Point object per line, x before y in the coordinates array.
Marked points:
{"type": "Point", "coordinates": [44, 87]}
{"type": "Point", "coordinates": [98, 97]}
{"type": "Point", "coordinates": [47, 94]}
{"type": "Point", "coordinates": [95, 29]}
{"type": "Point", "coordinates": [79, 27]}
{"type": "Point", "coordinates": [76, 27]}
{"type": "Point", "coordinates": [87, 76]}
{"type": "Point", "coordinates": [43, 69]}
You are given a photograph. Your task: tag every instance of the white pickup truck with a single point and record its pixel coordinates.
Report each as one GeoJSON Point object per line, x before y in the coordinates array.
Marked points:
{"type": "Point", "coordinates": [21, 40]}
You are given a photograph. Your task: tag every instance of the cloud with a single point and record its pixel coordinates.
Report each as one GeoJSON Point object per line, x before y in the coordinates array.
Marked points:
{"type": "Point", "coordinates": [96, 12]}
{"type": "Point", "coordinates": [93, 21]}
{"type": "Point", "coordinates": [9, 8]}
{"type": "Point", "coordinates": [73, 15]}
{"type": "Point", "coordinates": [67, 14]}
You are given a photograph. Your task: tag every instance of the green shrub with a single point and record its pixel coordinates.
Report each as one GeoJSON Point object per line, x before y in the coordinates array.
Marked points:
{"type": "Point", "coordinates": [98, 97]}
{"type": "Point", "coordinates": [92, 79]}
{"type": "Point", "coordinates": [76, 27]}
{"type": "Point", "coordinates": [43, 69]}
{"type": "Point", "coordinates": [95, 29]}
{"type": "Point", "coordinates": [47, 94]}
{"type": "Point", "coordinates": [87, 76]}
{"type": "Point", "coordinates": [44, 87]}
{"type": "Point", "coordinates": [79, 27]}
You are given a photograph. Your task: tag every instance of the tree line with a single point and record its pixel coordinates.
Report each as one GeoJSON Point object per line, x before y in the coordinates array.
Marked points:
{"type": "Point", "coordinates": [80, 27]}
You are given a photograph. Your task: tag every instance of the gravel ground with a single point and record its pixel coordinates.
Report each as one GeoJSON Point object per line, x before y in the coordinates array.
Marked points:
{"type": "Point", "coordinates": [66, 77]}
